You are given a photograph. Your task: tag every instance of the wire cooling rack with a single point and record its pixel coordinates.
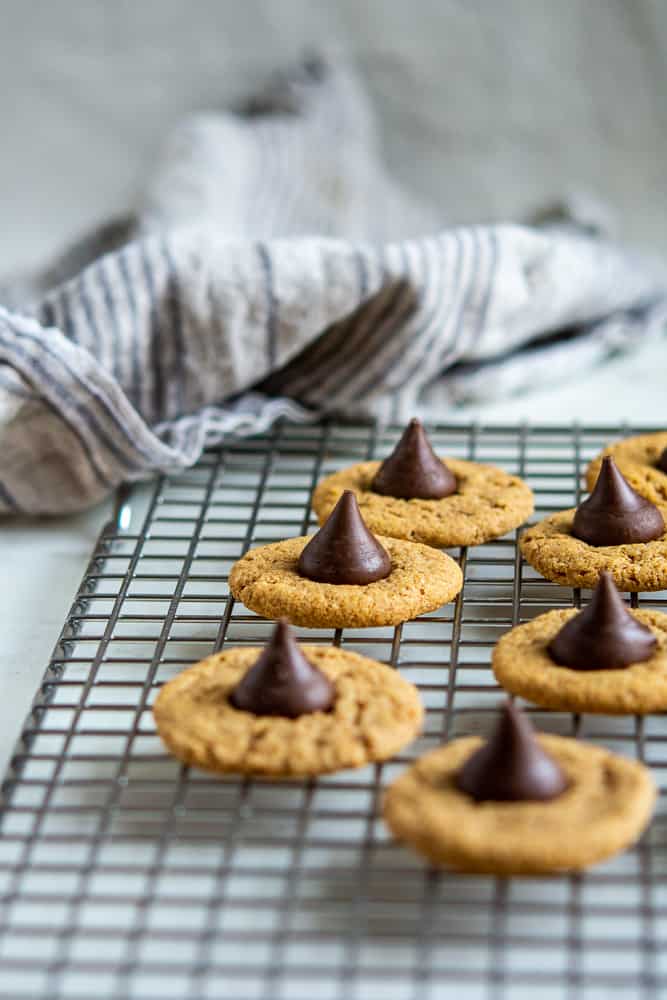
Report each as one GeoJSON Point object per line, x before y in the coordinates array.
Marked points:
{"type": "Point", "coordinates": [127, 875]}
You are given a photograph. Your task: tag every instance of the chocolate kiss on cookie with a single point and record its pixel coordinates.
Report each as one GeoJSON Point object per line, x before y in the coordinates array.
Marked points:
{"type": "Point", "coordinates": [662, 462]}
{"type": "Point", "coordinates": [604, 636]}
{"type": "Point", "coordinates": [614, 514]}
{"type": "Point", "coordinates": [413, 470]}
{"type": "Point", "coordinates": [344, 550]}
{"type": "Point", "coordinates": [282, 681]}
{"type": "Point", "coordinates": [511, 766]}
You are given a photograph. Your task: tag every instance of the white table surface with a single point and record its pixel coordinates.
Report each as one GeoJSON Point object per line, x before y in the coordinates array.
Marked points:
{"type": "Point", "coordinates": [43, 561]}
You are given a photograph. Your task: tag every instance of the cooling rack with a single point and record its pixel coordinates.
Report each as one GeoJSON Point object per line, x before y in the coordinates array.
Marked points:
{"type": "Point", "coordinates": [127, 875]}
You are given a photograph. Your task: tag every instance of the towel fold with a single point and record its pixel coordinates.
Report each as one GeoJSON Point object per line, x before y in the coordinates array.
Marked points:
{"type": "Point", "coordinates": [275, 269]}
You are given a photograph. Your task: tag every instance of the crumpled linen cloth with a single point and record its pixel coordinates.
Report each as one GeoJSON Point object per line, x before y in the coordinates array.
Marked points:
{"type": "Point", "coordinates": [275, 269]}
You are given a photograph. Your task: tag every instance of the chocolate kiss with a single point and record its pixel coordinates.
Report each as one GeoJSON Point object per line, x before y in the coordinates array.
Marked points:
{"type": "Point", "coordinates": [343, 550]}
{"type": "Point", "coordinates": [511, 766]}
{"type": "Point", "coordinates": [282, 681]}
{"type": "Point", "coordinates": [604, 636]}
{"type": "Point", "coordinates": [662, 462]}
{"type": "Point", "coordinates": [614, 513]}
{"type": "Point", "coordinates": [413, 470]}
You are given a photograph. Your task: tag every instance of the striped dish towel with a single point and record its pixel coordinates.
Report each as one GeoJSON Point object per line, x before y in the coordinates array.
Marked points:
{"type": "Point", "coordinates": [275, 269]}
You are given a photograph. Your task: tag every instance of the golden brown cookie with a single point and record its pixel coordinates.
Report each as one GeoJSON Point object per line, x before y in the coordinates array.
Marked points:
{"type": "Point", "coordinates": [636, 458]}
{"type": "Point", "coordinates": [266, 580]}
{"type": "Point", "coordinates": [376, 712]}
{"type": "Point", "coordinates": [488, 503]}
{"type": "Point", "coordinates": [523, 666]}
{"type": "Point", "coordinates": [551, 548]}
{"type": "Point", "coordinates": [605, 807]}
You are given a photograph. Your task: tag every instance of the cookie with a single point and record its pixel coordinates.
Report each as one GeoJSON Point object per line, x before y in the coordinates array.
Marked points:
{"type": "Point", "coordinates": [636, 457]}
{"type": "Point", "coordinates": [488, 503]}
{"type": "Point", "coordinates": [266, 580]}
{"type": "Point", "coordinates": [376, 712]}
{"type": "Point", "coordinates": [553, 551]}
{"type": "Point", "coordinates": [605, 807]}
{"type": "Point", "coordinates": [523, 666]}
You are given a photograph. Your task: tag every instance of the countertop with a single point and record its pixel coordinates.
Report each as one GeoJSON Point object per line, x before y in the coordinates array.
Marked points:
{"type": "Point", "coordinates": [44, 559]}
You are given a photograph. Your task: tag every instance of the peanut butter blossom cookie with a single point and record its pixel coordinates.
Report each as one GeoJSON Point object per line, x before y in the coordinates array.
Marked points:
{"type": "Point", "coordinates": [615, 529]}
{"type": "Point", "coordinates": [345, 577]}
{"type": "Point", "coordinates": [605, 658]}
{"type": "Point", "coordinates": [286, 710]}
{"type": "Point", "coordinates": [519, 804]}
{"type": "Point", "coordinates": [643, 462]}
{"type": "Point", "coordinates": [417, 496]}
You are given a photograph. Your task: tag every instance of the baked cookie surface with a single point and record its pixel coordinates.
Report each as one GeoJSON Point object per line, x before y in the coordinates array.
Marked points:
{"type": "Point", "coordinates": [636, 458]}
{"type": "Point", "coordinates": [523, 666]}
{"type": "Point", "coordinates": [267, 581]}
{"type": "Point", "coordinates": [551, 549]}
{"type": "Point", "coordinates": [488, 503]}
{"type": "Point", "coordinates": [605, 807]}
{"type": "Point", "coordinates": [376, 712]}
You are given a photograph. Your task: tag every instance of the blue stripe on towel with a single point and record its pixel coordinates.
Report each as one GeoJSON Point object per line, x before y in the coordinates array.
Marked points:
{"type": "Point", "coordinates": [271, 307]}
{"type": "Point", "coordinates": [7, 498]}
{"type": "Point", "coordinates": [155, 347]}
{"type": "Point", "coordinates": [133, 332]}
{"type": "Point", "coordinates": [320, 355]}
{"type": "Point", "coordinates": [117, 345]}
{"type": "Point", "coordinates": [377, 346]}
{"type": "Point", "coordinates": [174, 325]}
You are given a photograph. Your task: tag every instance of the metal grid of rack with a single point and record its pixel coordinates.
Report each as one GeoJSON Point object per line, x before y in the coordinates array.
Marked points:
{"type": "Point", "coordinates": [127, 875]}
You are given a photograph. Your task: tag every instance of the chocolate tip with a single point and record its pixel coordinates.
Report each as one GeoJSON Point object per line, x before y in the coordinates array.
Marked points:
{"type": "Point", "coordinates": [614, 513]}
{"type": "Point", "coordinates": [344, 551]}
{"type": "Point", "coordinates": [511, 766]}
{"type": "Point", "coordinates": [282, 681]}
{"type": "Point", "coordinates": [413, 471]}
{"type": "Point", "coordinates": [604, 635]}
